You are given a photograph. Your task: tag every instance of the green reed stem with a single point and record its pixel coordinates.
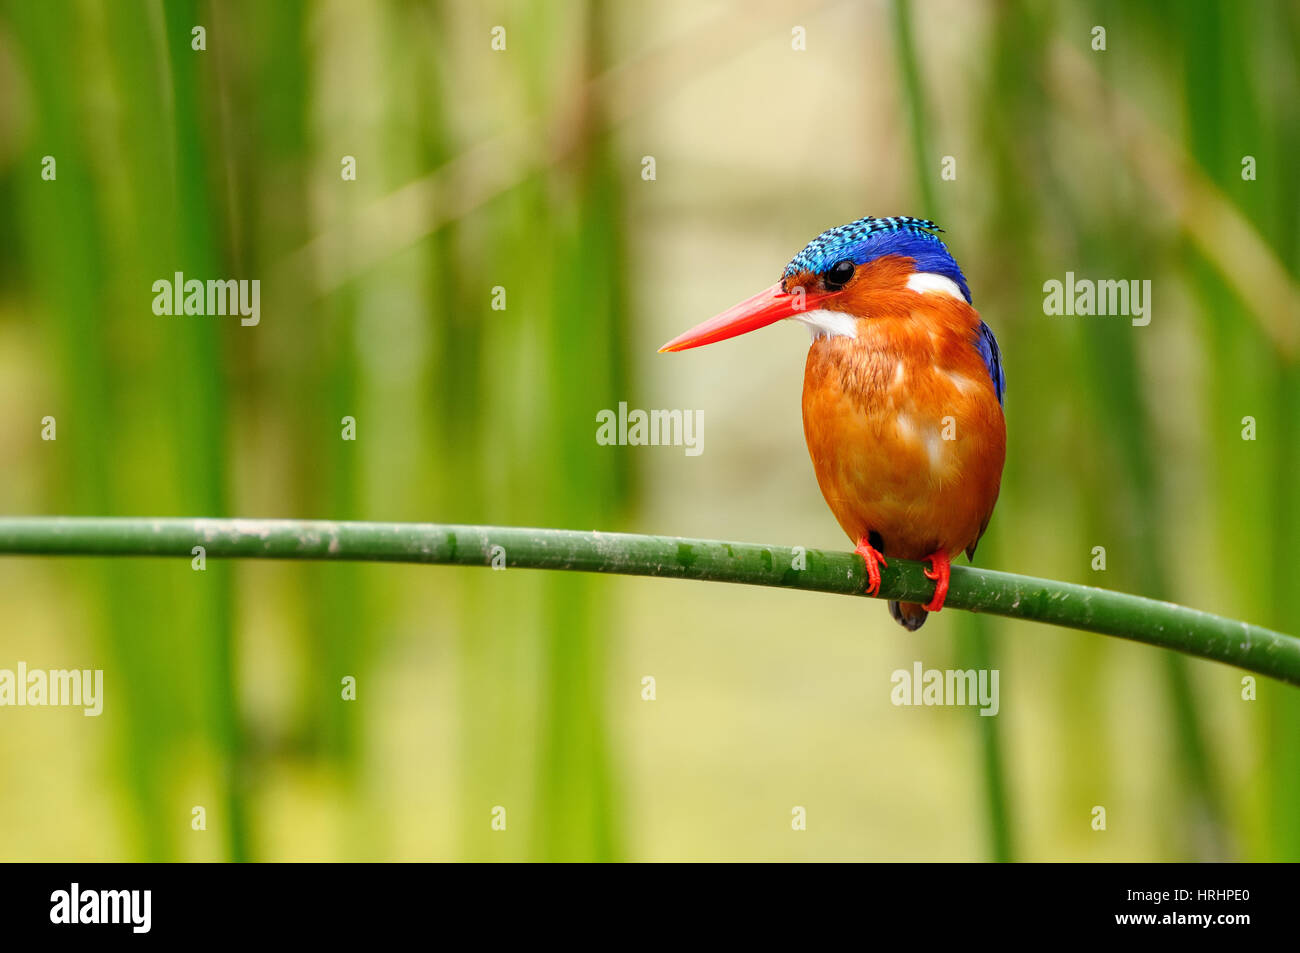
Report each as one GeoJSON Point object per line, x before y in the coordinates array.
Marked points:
{"type": "Point", "coordinates": [1066, 604]}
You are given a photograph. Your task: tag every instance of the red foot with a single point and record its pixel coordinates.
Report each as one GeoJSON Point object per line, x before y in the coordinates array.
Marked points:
{"type": "Point", "coordinates": [874, 560]}
{"type": "Point", "coordinates": [940, 573]}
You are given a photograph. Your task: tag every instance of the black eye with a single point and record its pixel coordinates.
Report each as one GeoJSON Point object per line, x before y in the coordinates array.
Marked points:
{"type": "Point", "coordinates": [838, 275]}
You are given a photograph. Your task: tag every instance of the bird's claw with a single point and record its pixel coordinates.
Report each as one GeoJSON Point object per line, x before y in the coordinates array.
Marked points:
{"type": "Point", "coordinates": [874, 560]}
{"type": "Point", "coordinates": [940, 572]}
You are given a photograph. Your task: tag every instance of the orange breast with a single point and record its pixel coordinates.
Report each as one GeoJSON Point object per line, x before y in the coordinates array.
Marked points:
{"type": "Point", "coordinates": [904, 428]}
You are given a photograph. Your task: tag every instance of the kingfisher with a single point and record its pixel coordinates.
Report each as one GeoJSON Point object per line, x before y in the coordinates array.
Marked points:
{"type": "Point", "coordinates": [902, 393]}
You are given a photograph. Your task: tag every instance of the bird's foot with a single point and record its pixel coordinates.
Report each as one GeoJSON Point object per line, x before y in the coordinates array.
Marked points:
{"type": "Point", "coordinates": [940, 571]}
{"type": "Point", "coordinates": [874, 560]}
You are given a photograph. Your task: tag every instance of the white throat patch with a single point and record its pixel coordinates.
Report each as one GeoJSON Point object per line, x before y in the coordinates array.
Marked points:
{"type": "Point", "coordinates": [828, 324]}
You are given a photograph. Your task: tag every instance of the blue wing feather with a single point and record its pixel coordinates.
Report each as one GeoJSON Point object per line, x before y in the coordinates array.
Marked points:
{"type": "Point", "coordinates": [987, 345]}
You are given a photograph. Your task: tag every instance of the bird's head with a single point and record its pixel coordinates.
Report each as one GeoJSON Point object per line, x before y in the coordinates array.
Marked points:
{"type": "Point", "coordinates": [829, 284]}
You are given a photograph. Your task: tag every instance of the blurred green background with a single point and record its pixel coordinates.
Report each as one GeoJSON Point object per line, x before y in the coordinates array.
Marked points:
{"type": "Point", "coordinates": [523, 169]}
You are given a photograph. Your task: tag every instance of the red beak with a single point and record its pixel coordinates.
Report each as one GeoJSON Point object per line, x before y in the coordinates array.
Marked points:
{"type": "Point", "coordinates": [766, 307]}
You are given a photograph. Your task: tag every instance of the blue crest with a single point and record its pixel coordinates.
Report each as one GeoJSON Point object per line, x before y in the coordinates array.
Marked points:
{"type": "Point", "coordinates": [870, 238]}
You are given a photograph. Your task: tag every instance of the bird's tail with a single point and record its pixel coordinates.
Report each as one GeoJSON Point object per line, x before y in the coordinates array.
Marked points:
{"type": "Point", "coordinates": [910, 615]}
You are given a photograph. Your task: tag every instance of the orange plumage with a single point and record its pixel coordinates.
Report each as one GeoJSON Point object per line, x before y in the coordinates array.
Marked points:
{"type": "Point", "coordinates": [902, 422]}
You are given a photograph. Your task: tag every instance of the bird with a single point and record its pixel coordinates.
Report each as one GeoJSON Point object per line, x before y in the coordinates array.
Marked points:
{"type": "Point", "coordinates": [902, 396]}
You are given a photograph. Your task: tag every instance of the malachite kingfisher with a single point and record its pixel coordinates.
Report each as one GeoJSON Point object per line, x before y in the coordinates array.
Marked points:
{"type": "Point", "coordinates": [902, 394]}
